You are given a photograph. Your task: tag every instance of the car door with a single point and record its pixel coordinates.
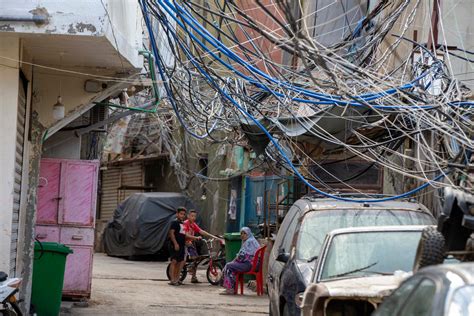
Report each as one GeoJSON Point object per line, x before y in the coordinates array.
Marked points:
{"type": "Point", "coordinates": [276, 267]}
{"type": "Point", "coordinates": [421, 300]}
{"type": "Point", "coordinates": [415, 297]}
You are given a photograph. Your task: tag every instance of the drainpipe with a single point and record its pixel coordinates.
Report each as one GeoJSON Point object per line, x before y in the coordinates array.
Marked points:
{"type": "Point", "coordinates": [38, 19]}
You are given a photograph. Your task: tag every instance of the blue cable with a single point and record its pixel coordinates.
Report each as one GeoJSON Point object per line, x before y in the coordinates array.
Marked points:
{"type": "Point", "coordinates": [327, 98]}
{"type": "Point", "coordinates": [211, 81]}
{"type": "Point", "coordinates": [237, 58]}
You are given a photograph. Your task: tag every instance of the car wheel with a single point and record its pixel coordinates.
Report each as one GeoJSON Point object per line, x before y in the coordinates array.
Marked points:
{"type": "Point", "coordinates": [431, 249]}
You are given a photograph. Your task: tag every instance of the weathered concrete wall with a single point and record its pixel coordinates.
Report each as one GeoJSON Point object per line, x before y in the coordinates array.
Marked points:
{"type": "Point", "coordinates": [27, 71]}
{"type": "Point", "coordinates": [125, 29]}
{"type": "Point", "coordinates": [116, 20]}
{"type": "Point", "coordinates": [9, 79]}
{"type": "Point", "coordinates": [65, 145]}
{"type": "Point", "coordinates": [28, 236]}
{"type": "Point", "coordinates": [455, 29]}
{"type": "Point", "coordinates": [213, 208]}
{"type": "Point", "coordinates": [48, 85]}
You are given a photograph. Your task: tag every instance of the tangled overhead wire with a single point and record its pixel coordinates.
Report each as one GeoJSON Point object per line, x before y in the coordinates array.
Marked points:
{"type": "Point", "coordinates": [276, 73]}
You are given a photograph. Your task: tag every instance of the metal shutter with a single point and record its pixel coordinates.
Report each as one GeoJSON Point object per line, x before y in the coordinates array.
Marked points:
{"type": "Point", "coordinates": [132, 175]}
{"type": "Point", "coordinates": [110, 182]}
{"type": "Point", "coordinates": [20, 133]}
{"type": "Point", "coordinates": [112, 179]}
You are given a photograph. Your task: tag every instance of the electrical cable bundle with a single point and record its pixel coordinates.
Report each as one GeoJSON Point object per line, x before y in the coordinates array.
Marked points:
{"type": "Point", "coordinates": [258, 69]}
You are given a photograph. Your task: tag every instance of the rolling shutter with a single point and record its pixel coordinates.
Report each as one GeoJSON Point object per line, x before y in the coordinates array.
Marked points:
{"type": "Point", "coordinates": [20, 138]}
{"type": "Point", "coordinates": [110, 182]}
{"type": "Point", "coordinates": [132, 175]}
{"type": "Point", "coordinates": [114, 178]}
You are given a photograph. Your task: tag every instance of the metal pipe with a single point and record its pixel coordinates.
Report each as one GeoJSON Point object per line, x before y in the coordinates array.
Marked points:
{"type": "Point", "coordinates": [111, 119]}
{"type": "Point", "coordinates": [39, 19]}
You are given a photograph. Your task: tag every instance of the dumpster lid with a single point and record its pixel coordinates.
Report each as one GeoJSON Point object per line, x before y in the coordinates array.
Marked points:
{"type": "Point", "coordinates": [232, 236]}
{"type": "Point", "coordinates": [52, 247]}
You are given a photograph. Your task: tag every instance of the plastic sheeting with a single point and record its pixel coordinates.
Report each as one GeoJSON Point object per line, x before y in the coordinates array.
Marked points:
{"type": "Point", "coordinates": [141, 223]}
{"type": "Point", "coordinates": [312, 127]}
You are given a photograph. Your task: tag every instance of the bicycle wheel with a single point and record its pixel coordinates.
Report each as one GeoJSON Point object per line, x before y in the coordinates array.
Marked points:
{"type": "Point", "coordinates": [214, 273]}
{"type": "Point", "coordinates": [168, 271]}
{"type": "Point", "coordinates": [182, 276]}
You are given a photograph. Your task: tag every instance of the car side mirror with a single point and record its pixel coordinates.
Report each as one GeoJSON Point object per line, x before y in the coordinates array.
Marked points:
{"type": "Point", "coordinates": [283, 257]}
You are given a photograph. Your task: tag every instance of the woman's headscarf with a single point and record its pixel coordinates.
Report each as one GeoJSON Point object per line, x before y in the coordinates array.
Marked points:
{"type": "Point", "coordinates": [250, 245]}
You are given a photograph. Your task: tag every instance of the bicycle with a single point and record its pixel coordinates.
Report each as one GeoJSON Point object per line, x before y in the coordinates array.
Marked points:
{"type": "Point", "coordinates": [215, 261]}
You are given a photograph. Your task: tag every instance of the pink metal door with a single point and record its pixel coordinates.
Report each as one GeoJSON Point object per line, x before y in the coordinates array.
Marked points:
{"type": "Point", "coordinates": [47, 233]}
{"type": "Point", "coordinates": [66, 213]}
{"type": "Point", "coordinates": [48, 192]}
{"type": "Point", "coordinates": [79, 191]}
{"type": "Point", "coordinates": [78, 274]}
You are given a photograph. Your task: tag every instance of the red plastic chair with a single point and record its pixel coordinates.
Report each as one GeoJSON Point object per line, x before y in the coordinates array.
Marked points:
{"type": "Point", "coordinates": [256, 270]}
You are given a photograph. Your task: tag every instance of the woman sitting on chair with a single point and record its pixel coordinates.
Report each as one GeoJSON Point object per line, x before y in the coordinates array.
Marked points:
{"type": "Point", "coordinates": [243, 261]}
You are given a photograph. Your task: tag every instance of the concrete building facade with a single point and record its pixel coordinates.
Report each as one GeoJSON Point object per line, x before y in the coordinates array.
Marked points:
{"type": "Point", "coordinates": [51, 48]}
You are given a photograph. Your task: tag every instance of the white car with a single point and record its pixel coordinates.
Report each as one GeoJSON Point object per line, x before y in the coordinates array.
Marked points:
{"type": "Point", "coordinates": [358, 267]}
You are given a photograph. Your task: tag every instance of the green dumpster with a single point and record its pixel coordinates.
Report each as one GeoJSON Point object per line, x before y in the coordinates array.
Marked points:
{"type": "Point", "coordinates": [232, 245]}
{"type": "Point", "coordinates": [48, 277]}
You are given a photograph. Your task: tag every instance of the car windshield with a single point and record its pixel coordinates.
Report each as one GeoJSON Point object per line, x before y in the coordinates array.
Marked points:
{"type": "Point", "coordinates": [368, 253]}
{"type": "Point", "coordinates": [317, 224]}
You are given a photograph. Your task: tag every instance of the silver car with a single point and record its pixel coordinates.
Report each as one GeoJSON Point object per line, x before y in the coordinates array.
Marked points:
{"type": "Point", "coordinates": [434, 291]}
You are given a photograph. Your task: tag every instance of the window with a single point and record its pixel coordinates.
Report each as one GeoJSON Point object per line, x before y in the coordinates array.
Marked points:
{"type": "Point", "coordinates": [284, 228]}
{"type": "Point", "coordinates": [286, 244]}
{"type": "Point", "coordinates": [368, 253]}
{"type": "Point", "coordinates": [421, 300]}
{"type": "Point", "coordinates": [341, 174]}
{"type": "Point", "coordinates": [203, 172]}
{"type": "Point", "coordinates": [203, 166]}
{"type": "Point", "coordinates": [317, 224]}
{"type": "Point", "coordinates": [394, 302]}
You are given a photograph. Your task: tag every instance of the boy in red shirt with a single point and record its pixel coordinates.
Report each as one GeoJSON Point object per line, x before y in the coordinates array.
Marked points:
{"type": "Point", "coordinates": [191, 228]}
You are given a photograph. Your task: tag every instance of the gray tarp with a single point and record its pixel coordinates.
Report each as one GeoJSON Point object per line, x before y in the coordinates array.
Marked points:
{"type": "Point", "coordinates": [141, 223]}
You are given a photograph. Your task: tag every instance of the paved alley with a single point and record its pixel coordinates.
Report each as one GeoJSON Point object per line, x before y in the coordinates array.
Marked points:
{"type": "Point", "coordinates": [121, 287]}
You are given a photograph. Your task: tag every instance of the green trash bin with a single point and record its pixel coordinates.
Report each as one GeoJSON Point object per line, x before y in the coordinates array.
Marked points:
{"type": "Point", "coordinates": [232, 245]}
{"type": "Point", "coordinates": [48, 277]}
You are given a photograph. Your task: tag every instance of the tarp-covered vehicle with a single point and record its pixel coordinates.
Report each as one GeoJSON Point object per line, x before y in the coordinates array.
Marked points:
{"type": "Point", "coordinates": [141, 223]}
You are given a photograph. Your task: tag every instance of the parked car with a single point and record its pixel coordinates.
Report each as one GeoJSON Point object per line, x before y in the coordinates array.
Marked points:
{"type": "Point", "coordinates": [302, 232]}
{"type": "Point", "coordinates": [356, 269]}
{"type": "Point", "coordinates": [446, 289]}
